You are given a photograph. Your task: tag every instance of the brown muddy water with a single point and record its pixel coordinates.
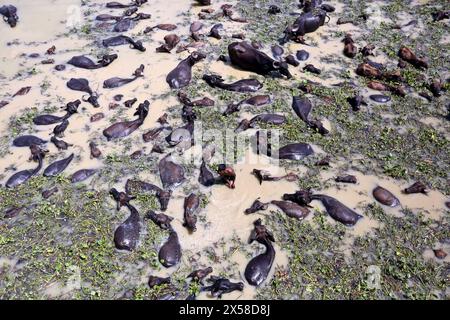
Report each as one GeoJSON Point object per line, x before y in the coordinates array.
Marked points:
{"type": "Point", "coordinates": [71, 28]}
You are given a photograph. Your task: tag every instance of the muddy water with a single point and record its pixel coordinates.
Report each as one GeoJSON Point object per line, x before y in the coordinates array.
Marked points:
{"type": "Point", "coordinates": [222, 220]}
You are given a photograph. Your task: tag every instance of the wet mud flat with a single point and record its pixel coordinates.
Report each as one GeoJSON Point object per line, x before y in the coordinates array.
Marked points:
{"type": "Point", "coordinates": [57, 235]}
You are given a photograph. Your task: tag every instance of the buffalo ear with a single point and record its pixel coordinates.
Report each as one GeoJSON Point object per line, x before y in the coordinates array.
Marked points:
{"type": "Point", "coordinates": [276, 64]}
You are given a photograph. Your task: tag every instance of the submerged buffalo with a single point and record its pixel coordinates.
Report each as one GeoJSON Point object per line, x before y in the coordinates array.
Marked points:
{"type": "Point", "coordinates": [46, 119]}
{"type": "Point", "coordinates": [58, 166]}
{"type": "Point", "coordinates": [206, 177]}
{"type": "Point", "coordinates": [416, 187]}
{"type": "Point", "coordinates": [60, 128]}
{"type": "Point", "coordinates": [154, 281]}
{"type": "Point", "coordinates": [182, 136]}
{"type": "Point", "coordinates": [60, 144]}
{"type": "Point", "coordinates": [121, 198]}
{"type": "Point", "coordinates": [82, 175]}
{"type": "Point", "coordinates": [126, 24]}
{"type": "Point", "coordinates": [170, 252]}
{"type": "Point", "coordinates": [161, 26]}
{"type": "Point", "coordinates": [200, 274]}
{"type": "Point", "coordinates": [171, 173]}
{"type": "Point", "coordinates": [295, 151]}
{"type": "Point", "coordinates": [191, 205]}
{"type": "Point", "coordinates": [27, 141]}
{"type": "Point", "coordinates": [203, 102]}
{"type": "Point", "coordinates": [118, 5]}
{"type": "Point", "coordinates": [385, 197]}
{"type": "Point", "coordinates": [406, 54]}
{"type": "Point", "coordinates": [126, 236]}
{"type": "Point", "coordinates": [255, 101]}
{"type": "Point", "coordinates": [171, 41]}
{"type": "Point", "coordinates": [107, 17]}
{"type": "Point", "coordinates": [256, 206]}
{"type": "Point", "coordinates": [263, 175]}
{"type": "Point", "coordinates": [117, 82]}
{"type": "Point", "coordinates": [136, 186]}
{"type": "Point", "coordinates": [302, 107]}
{"type": "Point", "coordinates": [268, 118]}
{"type": "Point", "coordinates": [9, 14]}
{"type": "Point", "coordinates": [181, 76]}
{"type": "Point", "coordinates": [161, 220]}
{"type": "Point", "coordinates": [291, 209]}
{"type": "Point", "coordinates": [337, 210]}
{"type": "Point", "coordinates": [245, 56]}
{"type": "Point", "coordinates": [204, 2]}
{"type": "Point", "coordinates": [221, 286]}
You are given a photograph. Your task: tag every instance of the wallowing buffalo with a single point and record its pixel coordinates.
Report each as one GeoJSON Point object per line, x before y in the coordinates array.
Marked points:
{"type": "Point", "coordinates": [306, 23]}
{"type": "Point", "coordinates": [9, 14]}
{"type": "Point", "coordinates": [245, 56]}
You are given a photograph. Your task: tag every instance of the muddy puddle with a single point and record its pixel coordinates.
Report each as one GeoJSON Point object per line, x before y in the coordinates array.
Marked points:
{"type": "Point", "coordinates": [223, 229]}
